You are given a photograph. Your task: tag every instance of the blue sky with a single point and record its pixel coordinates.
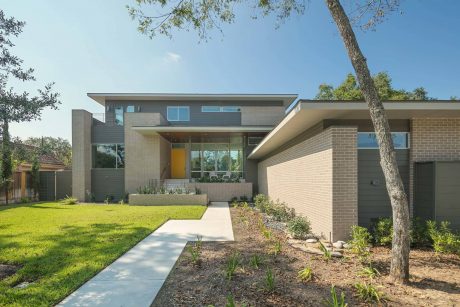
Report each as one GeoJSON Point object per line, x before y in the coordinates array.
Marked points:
{"type": "Point", "coordinates": [93, 46]}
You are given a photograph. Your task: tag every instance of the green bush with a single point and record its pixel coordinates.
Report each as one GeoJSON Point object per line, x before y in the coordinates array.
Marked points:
{"type": "Point", "coordinates": [69, 200]}
{"type": "Point", "coordinates": [299, 227]}
{"type": "Point", "coordinates": [444, 240]}
{"type": "Point", "coordinates": [368, 293]}
{"type": "Point", "coordinates": [382, 231]}
{"type": "Point", "coordinates": [419, 233]}
{"type": "Point", "coordinates": [360, 239]}
{"type": "Point", "coordinates": [334, 300]}
{"type": "Point", "coordinates": [261, 202]}
{"type": "Point", "coordinates": [281, 212]}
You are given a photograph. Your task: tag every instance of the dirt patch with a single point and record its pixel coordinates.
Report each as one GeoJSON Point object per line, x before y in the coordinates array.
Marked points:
{"type": "Point", "coordinates": [435, 281]}
{"type": "Point", "coordinates": [8, 270]}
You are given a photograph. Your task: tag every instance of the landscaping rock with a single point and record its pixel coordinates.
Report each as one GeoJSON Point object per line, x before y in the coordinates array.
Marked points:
{"type": "Point", "coordinates": [294, 241]}
{"type": "Point", "coordinates": [336, 254]}
{"type": "Point", "coordinates": [338, 244]}
{"type": "Point", "coordinates": [312, 240]}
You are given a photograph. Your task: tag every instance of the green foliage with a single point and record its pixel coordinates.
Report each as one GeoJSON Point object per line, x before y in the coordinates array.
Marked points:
{"type": "Point", "coordinates": [444, 240]}
{"type": "Point", "coordinates": [232, 264]}
{"type": "Point", "coordinates": [69, 200]}
{"type": "Point", "coordinates": [281, 212]}
{"type": "Point", "coordinates": [195, 251]}
{"type": "Point", "coordinates": [382, 231]}
{"type": "Point", "coordinates": [230, 301]}
{"type": "Point", "coordinates": [277, 248]}
{"type": "Point", "coordinates": [327, 255]}
{"type": "Point", "coordinates": [349, 90]}
{"type": "Point", "coordinates": [58, 147]}
{"type": "Point", "coordinates": [368, 292]}
{"type": "Point", "coordinates": [261, 202]}
{"type": "Point", "coordinates": [267, 234]}
{"type": "Point", "coordinates": [299, 227]}
{"type": "Point", "coordinates": [270, 282]}
{"type": "Point", "coordinates": [419, 233]}
{"type": "Point", "coordinates": [360, 239]}
{"type": "Point", "coordinates": [255, 261]}
{"type": "Point", "coordinates": [334, 300]}
{"type": "Point", "coordinates": [306, 274]}
{"type": "Point", "coordinates": [369, 271]}
{"type": "Point", "coordinates": [25, 200]}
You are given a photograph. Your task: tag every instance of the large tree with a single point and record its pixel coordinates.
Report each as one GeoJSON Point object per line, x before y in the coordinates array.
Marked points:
{"type": "Point", "coordinates": [349, 90]}
{"type": "Point", "coordinates": [205, 15]}
{"type": "Point", "coordinates": [58, 147]}
{"type": "Point", "coordinates": [16, 107]}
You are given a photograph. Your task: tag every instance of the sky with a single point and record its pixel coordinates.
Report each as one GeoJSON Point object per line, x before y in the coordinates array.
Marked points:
{"type": "Point", "coordinates": [93, 46]}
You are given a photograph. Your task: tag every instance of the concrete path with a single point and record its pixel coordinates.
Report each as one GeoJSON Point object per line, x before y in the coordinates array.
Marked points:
{"type": "Point", "coordinates": [135, 278]}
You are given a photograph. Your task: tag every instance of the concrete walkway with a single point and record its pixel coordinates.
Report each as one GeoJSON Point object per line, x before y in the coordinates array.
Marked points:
{"type": "Point", "coordinates": [135, 278]}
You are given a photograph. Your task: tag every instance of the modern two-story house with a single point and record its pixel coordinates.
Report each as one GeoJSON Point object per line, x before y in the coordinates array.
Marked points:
{"type": "Point", "coordinates": [320, 157]}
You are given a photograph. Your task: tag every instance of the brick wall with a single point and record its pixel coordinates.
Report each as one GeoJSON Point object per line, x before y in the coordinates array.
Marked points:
{"type": "Point", "coordinates": [318, 178]}
{"type": "Point", "coordinates": [81, 154]}
{"type": "Point", "coordinates": [433, 139]}
{"type": "Point", "coordinates": [264, 116]}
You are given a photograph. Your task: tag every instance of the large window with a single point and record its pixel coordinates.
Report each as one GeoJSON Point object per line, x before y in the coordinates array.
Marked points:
{"type": "Point", "coordinates": [217, 157]}
{"type": "Point", "coordinates": [220, 109]}
{"type": "Point", "coordinates": [178, 113]}
{"type": "Point", "coordinates": [119, 113]}
{"type": "Point", "coordinates": [108, 156]}
{"type": "Point", "coordinates": [368, 140]}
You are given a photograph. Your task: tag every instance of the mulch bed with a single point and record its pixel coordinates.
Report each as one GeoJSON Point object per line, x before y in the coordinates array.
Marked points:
{"type": "Point", "coordinates": [435, 280]}
{"type": "Point", "coordinates": [8, 270]}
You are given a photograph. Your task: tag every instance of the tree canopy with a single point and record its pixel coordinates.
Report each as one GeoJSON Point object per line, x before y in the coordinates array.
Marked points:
{"type": "Point", "coordinates": [58, 147]}
{"type": "Point", "coordinates": [349, 90]}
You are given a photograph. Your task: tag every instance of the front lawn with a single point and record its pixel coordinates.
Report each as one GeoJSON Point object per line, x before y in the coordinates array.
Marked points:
{"type": "Point", "coordinates": [59, 247]}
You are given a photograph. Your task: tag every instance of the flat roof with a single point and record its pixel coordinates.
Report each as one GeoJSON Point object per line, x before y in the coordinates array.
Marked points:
{"type": "Point", "coordinates": [307, 113]}
{"type": "Point", "coordinates": [149, 130]}
{"type": "Point", "coordinates": [101, 98]}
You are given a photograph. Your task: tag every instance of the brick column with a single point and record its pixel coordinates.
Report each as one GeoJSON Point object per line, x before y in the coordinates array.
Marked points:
{"type": "Point", "coordinates": [81, 154]}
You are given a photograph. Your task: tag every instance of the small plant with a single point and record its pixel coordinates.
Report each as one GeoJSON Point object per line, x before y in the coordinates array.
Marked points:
{"type": "Point", "coordinates": [368, 293]}
{"type": "Point", "coordinates": [232, 264]}
{"type": "Point", "coordinates": [305, 274]}
{"type": "Point", "coordinates": [108, 199]}
{"type": "Point", "coordinates": [255, 261]}
{"type": "Point", "coordinates": [244, 198]}
{"type": "Point", "coordinates": [419, 235]}
{"type": "Point", "coordinates": [197, 191]}
{"type": "Point", "coordinates": [277, 248]}
{"type": "Point", "coordinates": [360, 238]}
{"type": "Point", "coordinates": [444, 240]}
{"type": "Point", "coordinates": [195, 250]}
{"type": "Point", "coordinates": [230, 301]}
{"type": "Point", "coordinates": [369, 271]}
{"type": "Point", "coordinates": [69, 200]}
{"type": "Point", "coordinates": [299, 227]}
{"type": "Point", "coordinates": [334, 300]}
{"type": "Point", "coordinates": [90, 196]}
{"type": "Point", "coordinates": [25, 200]}
{"type": "Point", "coordinates": [327, 255]}
{"type": "Point", "coordinates": [281, 212]}
{"type": "Point", "coordinates": [269, 280]}
{"type": "Point", "coordinates": [267, 234]}
{"type": "Point", "coordinates": [383, 231]}
{"type": "Point", "coordinates": [261, 202]}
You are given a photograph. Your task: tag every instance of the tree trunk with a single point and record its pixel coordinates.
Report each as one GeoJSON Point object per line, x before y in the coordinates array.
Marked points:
{"type": "Point", "coordinates": [6, 168]}
{"type": "Point", "coordinates": [399, 270]}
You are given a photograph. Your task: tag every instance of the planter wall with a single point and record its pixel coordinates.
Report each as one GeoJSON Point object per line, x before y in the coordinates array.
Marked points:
{"type": "Point", "coordinates": [223, 191]}
{"type": "Point", "coordinates": [167, 199]}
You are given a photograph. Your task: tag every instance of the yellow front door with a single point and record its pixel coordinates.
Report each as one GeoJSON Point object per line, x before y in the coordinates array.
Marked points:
{"type": "Point", "coordinates": [178, 163]}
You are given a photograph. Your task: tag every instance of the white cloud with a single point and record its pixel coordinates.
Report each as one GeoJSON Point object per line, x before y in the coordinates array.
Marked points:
{"type": "Point", "coordinates": [172, 57]}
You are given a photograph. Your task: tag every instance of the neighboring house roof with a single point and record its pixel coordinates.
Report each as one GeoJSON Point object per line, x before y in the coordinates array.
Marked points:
{"type": "Point", "coordinates": [101, 98]}
{"type": "Point", "coordinates": [306, 113]}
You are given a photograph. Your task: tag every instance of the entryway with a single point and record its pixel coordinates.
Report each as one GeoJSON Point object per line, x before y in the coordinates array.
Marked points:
{"type": "Point", "coordinates": [178, 162]}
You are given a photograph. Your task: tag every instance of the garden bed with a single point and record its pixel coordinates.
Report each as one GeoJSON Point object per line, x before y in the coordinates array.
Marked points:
{"type": "Point", "coordinates": [434, 279]}
{"type": "Point", "coordinates": [168, 199]}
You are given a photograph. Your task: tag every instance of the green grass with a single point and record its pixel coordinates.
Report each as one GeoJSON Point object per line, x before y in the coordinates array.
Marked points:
{"type": "Point", "coordinates": [60, 247]}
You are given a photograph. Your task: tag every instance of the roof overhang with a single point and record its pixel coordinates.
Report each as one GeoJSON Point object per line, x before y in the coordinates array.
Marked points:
{"type": "Point", "coordinates": [305, 114]}
{"type": "Point", "coordinates": [152, 130]}
{"type": "Point", "coordinates": [101, 98]}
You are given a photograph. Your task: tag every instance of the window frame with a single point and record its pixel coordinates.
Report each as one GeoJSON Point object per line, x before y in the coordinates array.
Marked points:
{"type": "Point", "coordinates": [221, 109]}
{"type": "Point", "coordinates": [117, 160]}
{"type": "Point", "coordinates": [406, 133]}
{"type": "Point", "coordinates": [177, 108]}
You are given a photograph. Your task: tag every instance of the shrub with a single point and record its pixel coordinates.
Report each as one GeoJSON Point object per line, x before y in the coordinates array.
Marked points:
{"type": "Point", "coordinates": [360, 238]}
{"type": "Point", "coordinates": [419, 233]}
{"type": "Point", "coordinates": [368, 293]}
{"type": "Point", "coordinates": [383, 231]}
{"type": "Point", "coordinates": [255, 261]}
{"type": "Point", "coordinates": [335, 301]}
{"type": "Point", "coordinates": [281, 212]}
{"type": "Point", "coordinates": [25, 200]}
{"type": "Point", "coordinates": [230, 301]}
{"type": "Point", "coordinates": [261, 202]}
{"type": "Point", "coordinates": [277, 248]}
{"type": "Point", "coordinates": [195, 250]}
{"type": "Point", "coordinates": [327, 255]}
{"type": "Point", "coordinates": [299, 227]}
{"type": "Point", "coordinates": [269, 281]}
{"type": "Point", "coordinates": [305, 274]}
{"type": "Point", "coordinates": [444, 240]}
{"type": "Point", "coordinates": [69, 200]}
{"type": "Point", "coordinates": [232, 264]}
